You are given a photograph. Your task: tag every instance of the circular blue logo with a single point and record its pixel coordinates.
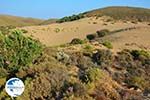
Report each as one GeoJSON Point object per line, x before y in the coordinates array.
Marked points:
{"type": "Point", "coordinates": [14, 87]}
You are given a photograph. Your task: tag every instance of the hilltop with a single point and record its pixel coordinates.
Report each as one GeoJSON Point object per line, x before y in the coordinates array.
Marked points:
{"type": "Point", "coordinates": [125, 13]}
{"type": "Point", "coordinates": [116, 12]}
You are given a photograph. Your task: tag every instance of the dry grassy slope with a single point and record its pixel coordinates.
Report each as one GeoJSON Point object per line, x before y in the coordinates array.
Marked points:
{"type": "Point", "coordinates": [49, 21]}
{"type": "Point", "coordinates": [134, 39]}
{"type": "Point", "coordinates": [125, 13]}
{"type": "Point", "coordinates": [18, 21]}
{"type": "Point", "coordinates": [56, 34]}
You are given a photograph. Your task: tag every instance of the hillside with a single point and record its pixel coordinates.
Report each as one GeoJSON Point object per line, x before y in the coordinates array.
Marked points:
{"type": "Point", "coordinates": [119, 13]}
{"type": "Point", "coordinates": [57, 34]}
{"type": "Point", "coordinates": [125, 13]}
{"type": "Point", "coordinates": [80, 58]}
{"type": "Point", "coordinates": [80, 70]}
{"type": "Point", "coordinates": [49, 21]}
{"type": "Point", "coordinates": [6, 20]}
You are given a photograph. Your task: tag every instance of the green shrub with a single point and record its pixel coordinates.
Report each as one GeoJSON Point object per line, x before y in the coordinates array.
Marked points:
{"type": "Point", "coordinates": [3, 73]}
{"type": "Point", "coordinates": [47, 80]}
{"type": "Point", "coordinates": [77, 41]}
{"type": "Point", "coordinates": [139, 82]}
{"type": "Point", "coordinates": [103, 58]}
{"type": "Point", "coordinates": [138, 53]}
{"type": "Point", "coordinates": [81, 60]}
{"type": "Point", "coordinates": [77, 89]}
{"type": "Point", "coordinates": [88, 47]}
{"type": "Point", "coordinates": [103, 32]}
{"type": "Point", "coordinates": [70, 18]}
{"type": "Point", "coordinates": [6, 29]}
{"type": "Point", "coordinates": [84, 62]}
{"type": "Point", "coordinates": [91, 36]}
{"type": "Point", "coordinates": [108, 44]}
{"type": "Point", "coordinates": [18, 51]}
{"type": "Point", "coordinates": [124, 59]}
{"type": "Point", "coordinates": [91, 75]}
{"type": "Point", "coordinates": [24, 31]}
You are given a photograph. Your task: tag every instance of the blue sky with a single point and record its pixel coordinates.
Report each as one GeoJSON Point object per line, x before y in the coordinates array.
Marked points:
{"type": "Point", "coordinates": [58, 8]}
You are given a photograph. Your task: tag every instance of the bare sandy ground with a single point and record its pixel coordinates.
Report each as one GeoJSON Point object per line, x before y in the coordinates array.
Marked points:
{"type": "Point", "coordinates": [134, 39]}
{"type": "Point", "coordinates": [57, 34]}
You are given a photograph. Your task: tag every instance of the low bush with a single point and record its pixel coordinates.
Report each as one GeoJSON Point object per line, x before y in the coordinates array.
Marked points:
{"type": "Point", "coordinates": [138, 82]}
{"type": "Point", "coordinates": [24, 31]}
{"type": "Point", "coordinates": [81, 61]}
{"type": "Point", "coordinates": [103, 32]}
{"type": "Point", "coordinates": [88, 47]}
{"type": "Point", "coordinates": [91, 36]}
{"type": "Point", "coordinates": [138, 53]}
{"type": "Point", "coordinates": [76, 89]}
{"type": "Point", "coordinates": [103, 58]}
{"type": "Point", "coordinates": [91, 75]}
{"type": "Point", "coordinates": [77, 41]}
{"type": "Point", "coordinates": [18, 51]}
{"type": "Point", "coordinates": [3, 73]}
{"type": "Point", "coordinates": [124, 59]}
{"type": "Point", "coordinates": [6, 29]}
{"type": "Point", "coordinates": [84, 63]}
{"type": "Point", "coordinates": [47, 80]}
{"type": "Point", "coordinates": [70, 18]}
{"type": "Point", "coordinates": [108, 44]}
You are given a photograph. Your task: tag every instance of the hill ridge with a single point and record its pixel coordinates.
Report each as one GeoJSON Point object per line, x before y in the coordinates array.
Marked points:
{"type": "Point", "coordinates": [122, 12]}
{"type": "Point", "coordinates": [6, 20]}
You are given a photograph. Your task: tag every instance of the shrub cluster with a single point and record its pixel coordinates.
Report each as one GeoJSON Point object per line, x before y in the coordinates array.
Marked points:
{"type": "Point", "coordinates": [98, 34]}
{"type": "Point", "coordinates": [91, 75]}
{"type": "Point", "coordinates": [139, 53]}
{"type": "Point", "coordinates": [103, 58]}
{"type": "Point", "coordinates": [18, 51]}
{"type": "Point", "coordinates": [136, 66]}
{"type": "Point", "coordinates": [24, 31]}
{"type": "Point", "coordinates": [77, 41]}
{"type": "Point", "coordinates": [6, 29]}
{"type": "Point", "coordinates": [70, 18]}
{"type": "Point", "coordinates": [91, 36]}
{"type": "Point", "coordinates": [103, 32]}
{"type": "Point", "coordinates": [57, 73]}
{"type": "Point", "coordinates": [108, 44]}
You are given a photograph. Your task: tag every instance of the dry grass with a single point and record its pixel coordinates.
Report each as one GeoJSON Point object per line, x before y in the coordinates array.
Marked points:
{"type": "Point", "coordinates": [6, 20]}
{"type": "Point", "coordinates": [123, 13]}
{"type": "Point", "coordinates": [79, 29]}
